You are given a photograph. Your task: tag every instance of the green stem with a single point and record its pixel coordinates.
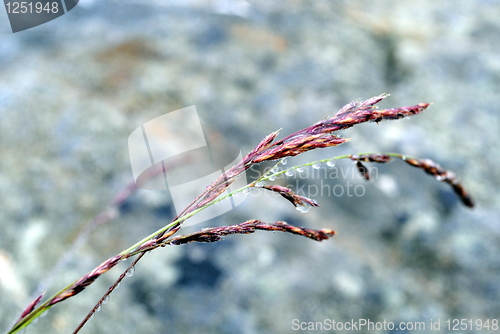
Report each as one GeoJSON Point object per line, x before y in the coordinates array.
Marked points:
{"type": "Point", "coordinates": [131, 250]}
{"type": "Point", "coordinates": [269, 175]}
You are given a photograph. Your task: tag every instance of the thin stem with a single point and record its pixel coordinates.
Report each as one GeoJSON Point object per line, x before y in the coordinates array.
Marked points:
{"type": "Point", "coordinates": [110, 290]}
{"type": "Point", "coordinates": [267, 176]}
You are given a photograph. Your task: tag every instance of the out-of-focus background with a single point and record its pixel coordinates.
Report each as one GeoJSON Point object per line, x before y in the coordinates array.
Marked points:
{"type": "Point", "coordinates": [72, 91]}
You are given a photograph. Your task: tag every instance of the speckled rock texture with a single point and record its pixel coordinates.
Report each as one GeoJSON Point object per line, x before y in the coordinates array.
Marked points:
{"type": "Point", "coordinates": [72, 91]}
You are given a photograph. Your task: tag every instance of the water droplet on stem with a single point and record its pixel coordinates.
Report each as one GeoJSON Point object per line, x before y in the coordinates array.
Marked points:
{"type": "Point", "coordinates": [130, 272]}
{"type": "Point", "coordinates": [440, 177]}
{"type": "Point", "coordinates": [303, 208]}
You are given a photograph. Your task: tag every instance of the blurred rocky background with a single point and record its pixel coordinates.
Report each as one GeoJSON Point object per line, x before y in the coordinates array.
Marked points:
{"type": "Point", "coordinates": [72, 91]}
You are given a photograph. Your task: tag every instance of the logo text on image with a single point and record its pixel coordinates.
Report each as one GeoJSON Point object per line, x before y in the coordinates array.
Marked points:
{"type": "Point", "coordinates": [176, 139]}
{"type": "Point", "coordinates": [31, 13]}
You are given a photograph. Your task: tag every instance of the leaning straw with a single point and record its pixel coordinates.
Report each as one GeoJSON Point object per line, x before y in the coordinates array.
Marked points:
{"type": "Point", "coordinates": [319, 135]}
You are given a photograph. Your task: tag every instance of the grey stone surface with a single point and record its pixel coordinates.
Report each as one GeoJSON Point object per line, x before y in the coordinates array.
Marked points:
{"type": "Point", "coordinates": [72, 90]}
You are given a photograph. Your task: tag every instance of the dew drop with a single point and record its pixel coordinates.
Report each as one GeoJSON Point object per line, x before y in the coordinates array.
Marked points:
{"type": "Point", "coordinates": [302, 208]}
{"type": "Point", "coordinates": [284, 161]}
{"type": "Point", "coordinates": [317, 165]}
{"type": "Point", "coordinates": [330, 163]}
{"type": "Point", "coordinates": [98, 308]}
{"type": "Point", "coordinates": [105, 300]}
{"type": "Point", "coordinates": [272, 178]}
{"type": "Point", "coordinates": [440, 177]}
{"type": "Point", "coordinates": [236, 194]}
{"type": "Point", "coordinates": [247, 191]}
{"type": "Point", "coordinates": [260, 184]}
{"type": "Point", "coordinates": [300, 169]}
{"type": "Point", "coordinates": [273, 170]}
{"type": "Point", "coordinates": [289, 173]}
{"type": "Point", "coordinates": [130, 272]}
